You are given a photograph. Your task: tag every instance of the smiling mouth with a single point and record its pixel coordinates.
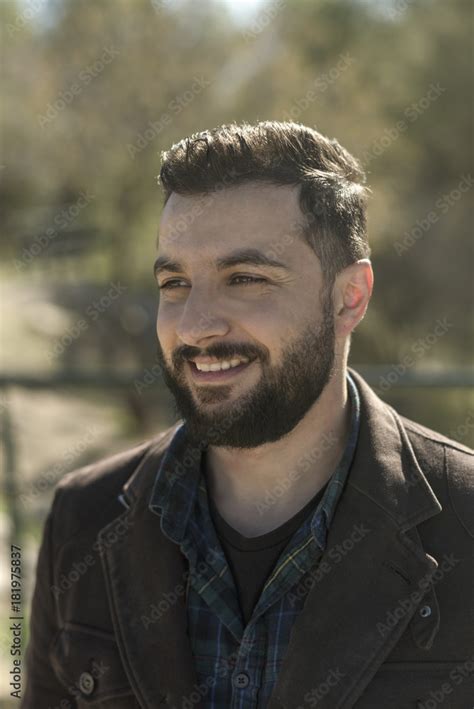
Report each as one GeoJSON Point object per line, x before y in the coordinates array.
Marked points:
{"type": "Point", "coordinates": [219, 374]}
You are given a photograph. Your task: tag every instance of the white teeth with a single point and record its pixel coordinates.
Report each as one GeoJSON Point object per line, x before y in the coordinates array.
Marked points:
{"type": "Point", "coordinates": [225, 364]}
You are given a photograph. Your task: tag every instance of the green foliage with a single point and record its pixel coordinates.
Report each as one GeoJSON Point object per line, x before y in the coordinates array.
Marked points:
{"type": "Point", "coordinates": [97, 90]}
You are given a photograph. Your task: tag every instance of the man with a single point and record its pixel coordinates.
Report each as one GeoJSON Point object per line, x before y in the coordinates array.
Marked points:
{"type": "Point", "coordinates": [291, 542]}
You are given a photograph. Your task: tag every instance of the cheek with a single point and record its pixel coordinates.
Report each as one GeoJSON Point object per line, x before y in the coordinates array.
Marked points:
{"type": "Point", "coordinates": [165, 327]}
{"type": "Point", "coordinates": [276, 314]}
{"type": "Point", "coordinates": [269, 327]}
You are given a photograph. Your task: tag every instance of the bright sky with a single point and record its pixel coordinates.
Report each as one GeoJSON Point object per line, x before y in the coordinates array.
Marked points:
{"type": "Point", "coordinates": [241, 9]}
{"type": "Point", "coordinates": [244, 8]}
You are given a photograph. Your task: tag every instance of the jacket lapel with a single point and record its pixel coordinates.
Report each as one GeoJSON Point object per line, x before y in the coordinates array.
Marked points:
{"type": "Point", "coordinates": [373, 572]}
{"type": "Point", "coordinates": [146, 586]}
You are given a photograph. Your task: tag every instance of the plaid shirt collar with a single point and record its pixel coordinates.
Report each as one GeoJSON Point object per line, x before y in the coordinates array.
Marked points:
{"type": "Point", "coordinates": [178, 478]}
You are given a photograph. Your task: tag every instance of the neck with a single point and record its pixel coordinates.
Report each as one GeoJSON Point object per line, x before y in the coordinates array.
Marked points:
{"type": "Point", "coordinates": [260, 488]}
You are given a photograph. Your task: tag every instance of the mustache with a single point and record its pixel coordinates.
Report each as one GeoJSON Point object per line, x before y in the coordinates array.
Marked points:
{"type": "Point", "coordinates": [223, 350]}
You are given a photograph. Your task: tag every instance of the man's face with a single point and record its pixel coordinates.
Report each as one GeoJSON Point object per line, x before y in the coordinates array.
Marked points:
{"type": "Point", "coordinates": [237, 282]}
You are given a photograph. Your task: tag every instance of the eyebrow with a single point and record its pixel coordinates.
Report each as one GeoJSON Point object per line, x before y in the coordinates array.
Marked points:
{"type": "Point", "coordinates": [251, 257]}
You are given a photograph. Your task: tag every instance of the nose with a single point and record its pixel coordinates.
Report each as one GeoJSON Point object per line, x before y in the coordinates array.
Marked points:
{"type": "Point", "coordinates": [201, 319]}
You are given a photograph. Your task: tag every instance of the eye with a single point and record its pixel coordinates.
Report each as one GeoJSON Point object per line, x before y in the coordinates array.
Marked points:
{"type": "Point", "coordinates": [248, 280]}
{"type": "Point", "coordinates": [171, 284]}
{"type": "Point", "coordinates": [174, 283]}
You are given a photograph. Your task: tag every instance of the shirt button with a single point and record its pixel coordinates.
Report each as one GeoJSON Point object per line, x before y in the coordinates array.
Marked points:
{"type": "Point", "coordinates": [425, 611]}
{"type": "Point", "coordinates": [240, 680]}
{"type": "Point", "coordinates": [86, 683]}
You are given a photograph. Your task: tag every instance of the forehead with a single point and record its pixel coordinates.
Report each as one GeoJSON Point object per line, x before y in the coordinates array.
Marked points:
{"type": "Point", "coordinates": [249, 215]}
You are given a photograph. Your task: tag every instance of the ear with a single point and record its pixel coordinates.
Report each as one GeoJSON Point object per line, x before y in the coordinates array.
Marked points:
{"type": "Point", "coordinates": [352, 291]}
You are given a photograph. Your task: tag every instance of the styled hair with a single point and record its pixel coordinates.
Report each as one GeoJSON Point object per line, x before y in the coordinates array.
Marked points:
{"type": "Point", "coordinates": [332, 193]}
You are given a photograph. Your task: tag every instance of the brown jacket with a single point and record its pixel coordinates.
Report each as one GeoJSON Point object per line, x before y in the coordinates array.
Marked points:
{"type": "Point", "coordinates": [391, 626]}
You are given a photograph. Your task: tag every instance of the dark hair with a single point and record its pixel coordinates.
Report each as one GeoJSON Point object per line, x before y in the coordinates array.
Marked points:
{"type": "Point", "coordinates": [332, 192]}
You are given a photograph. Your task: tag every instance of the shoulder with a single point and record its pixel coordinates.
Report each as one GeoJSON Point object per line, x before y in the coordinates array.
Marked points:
{"type": "Point", "coordinates": [86, 499]}
{"type": "Point", "coordinates": [105, 475]}
{"type": "Point", "coordinates": [423, 436]}
{"type": "Point", "coordinates": [448, 467]}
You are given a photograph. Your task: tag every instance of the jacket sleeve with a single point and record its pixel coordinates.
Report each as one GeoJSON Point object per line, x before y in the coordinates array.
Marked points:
{"type": "Point", "coordinates": [43, 689]}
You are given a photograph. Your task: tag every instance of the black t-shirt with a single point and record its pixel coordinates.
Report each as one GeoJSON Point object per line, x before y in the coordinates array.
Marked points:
{"type": "Point", "coordinates": [252, 559]}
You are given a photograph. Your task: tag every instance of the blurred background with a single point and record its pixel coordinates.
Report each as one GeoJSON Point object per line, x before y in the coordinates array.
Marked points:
{"type": "Point", "coordinates": [94, 91]}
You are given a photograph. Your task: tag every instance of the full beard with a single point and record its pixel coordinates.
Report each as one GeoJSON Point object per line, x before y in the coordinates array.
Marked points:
{"type": "Point", "coordinates": [272, 408]}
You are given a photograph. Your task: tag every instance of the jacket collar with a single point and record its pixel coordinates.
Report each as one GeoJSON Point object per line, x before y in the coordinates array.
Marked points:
{"type": "Point", "coordinates": [386, 494]}
{"type": "Point", "coordinates": [143, 476]}
{"type": "Point", "coordinates": [385, 468]}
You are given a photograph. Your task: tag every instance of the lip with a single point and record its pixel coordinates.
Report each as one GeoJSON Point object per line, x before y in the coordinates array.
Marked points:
{"type": "Point", "coordinates": [219, 376]}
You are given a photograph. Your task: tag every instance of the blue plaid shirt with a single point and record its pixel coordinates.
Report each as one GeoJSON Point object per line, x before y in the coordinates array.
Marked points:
{"type": "Point", "coordinates": [237, 665]}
